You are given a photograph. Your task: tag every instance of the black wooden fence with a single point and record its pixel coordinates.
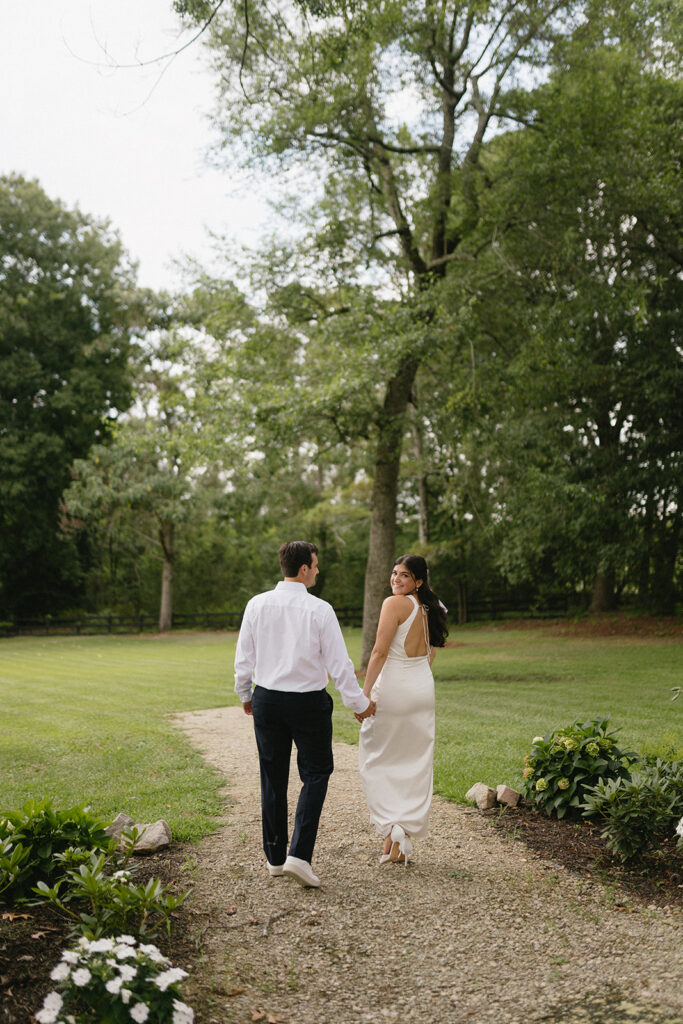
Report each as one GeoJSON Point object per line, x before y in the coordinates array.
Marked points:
{"type": "Point", "coordinates": [91, 625]}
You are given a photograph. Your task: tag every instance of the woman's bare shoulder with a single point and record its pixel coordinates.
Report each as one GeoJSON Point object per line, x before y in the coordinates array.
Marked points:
{"type": "Point", "coordinates": [397, 601]}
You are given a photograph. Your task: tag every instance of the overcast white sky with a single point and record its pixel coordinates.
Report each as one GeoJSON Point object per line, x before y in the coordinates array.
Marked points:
{"type": "Point", "coordinates": [127, 145]}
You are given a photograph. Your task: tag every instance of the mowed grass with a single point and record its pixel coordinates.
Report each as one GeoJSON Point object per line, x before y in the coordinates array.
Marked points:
{"type": "Point", "coordinates": [85, 719]}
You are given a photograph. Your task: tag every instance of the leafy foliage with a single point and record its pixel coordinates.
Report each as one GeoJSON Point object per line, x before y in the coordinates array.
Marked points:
{"type": "Point", "coordinates": [113, 901]}
{"type": "Point", "coordinates": [638, 811]}
{"type": "Point", "coordinates": [66, 302]}
{"type": "Point", "coordinates": [565, 763]}
{"type": "Point", "coordinates": [589, 437]}
{"type": "Point", "coordinates": [35, 838]}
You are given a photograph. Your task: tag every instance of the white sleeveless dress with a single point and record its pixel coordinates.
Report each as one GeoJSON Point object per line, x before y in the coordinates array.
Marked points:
{"type": "Point", "coordinates": [396, 746]}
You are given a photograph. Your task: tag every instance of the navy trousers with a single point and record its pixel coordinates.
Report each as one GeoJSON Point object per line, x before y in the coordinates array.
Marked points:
{"type": "Point", "coordinates": [281, 718]}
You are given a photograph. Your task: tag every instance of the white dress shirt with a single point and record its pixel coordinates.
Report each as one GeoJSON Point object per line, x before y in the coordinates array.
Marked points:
{"type": "Point", "coordinates": [290, 640]}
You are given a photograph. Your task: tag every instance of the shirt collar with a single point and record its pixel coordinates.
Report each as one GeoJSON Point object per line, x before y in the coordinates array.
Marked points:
{"type": "Point", "coordinates": [288, 585]}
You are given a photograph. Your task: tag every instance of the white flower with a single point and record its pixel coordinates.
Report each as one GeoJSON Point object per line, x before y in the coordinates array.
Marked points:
{"type": "Point", "coordinates": [83, 942]}
{"type": "Point", "coordinates": [679, 828]}
{"type": "Point", "coordinates": [127, 971]}
{"type": "Point", "coordinates": [182, 1013]}
{"type": "Point", "coordinates": [153, 953]}
{"type": "Point", "coordinates": [60, 972]}
{"type": "Point", "coordinates": [166, 978]}
{"type": "Point", "coordinates": [123, 952]}
{"type": "Point", "coordinates": [537, 739]}
{"type": "Point", "coordinates": [125, 875]}
{"type": "Point", "coordinates": [125, 995]}
{"type": "Point", "coordinates": [52, 1004]}
{"type": "Point", "coordinates": [46, 1016]}
{"type": "Point", "coordinates": [114, 985]}
{"type": "Point", "coordinates": [140, 1013]}
{"type": "Point", "coordinates": [70, 957]}
{"type": "Point", "coordinates": [126, 938]}
{"type": "Point", "coordinates": [101, 946]}
{"type": "Point", "coordinates": [81, 976]}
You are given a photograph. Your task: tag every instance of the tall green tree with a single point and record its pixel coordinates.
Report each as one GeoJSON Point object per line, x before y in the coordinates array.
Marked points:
{"type": "Point", "coordinates": [591, 432]}
{"type": "Point", "coordinates": [156, 473]}
{"type": "Point", "coordinates": [384, 107]}
{"type": "Point", "coordinates": [66, 304]}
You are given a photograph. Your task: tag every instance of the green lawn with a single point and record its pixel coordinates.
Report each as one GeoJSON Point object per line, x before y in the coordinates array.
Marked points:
{"type": "Point", "coordinates": [83, 718]}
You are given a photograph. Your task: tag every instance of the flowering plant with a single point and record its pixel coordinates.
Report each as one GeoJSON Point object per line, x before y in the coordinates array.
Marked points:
{"type": "Point", "coordinates": [112, 981]}
{"type": "Point", "coordinates": [563, 764]}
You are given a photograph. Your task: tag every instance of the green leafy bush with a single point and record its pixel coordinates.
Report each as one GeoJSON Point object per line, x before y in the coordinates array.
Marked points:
{"type": "Point", "coordinates": [32, 840]}
{"type": "Point", "coordinates": [640, 811]}
{"type": "Point", "coordinates": [106, 902]}
{"type": "Point", "coordinates": [562, 765]}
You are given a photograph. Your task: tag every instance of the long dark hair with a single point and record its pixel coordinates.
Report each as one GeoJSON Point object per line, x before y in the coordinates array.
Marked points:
{"type": "Point", "coordinates": [436, 612]}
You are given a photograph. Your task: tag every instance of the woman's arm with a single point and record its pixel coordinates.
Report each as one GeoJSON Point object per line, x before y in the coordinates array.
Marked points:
{"type": "Point", "coordinates": [389, 621]}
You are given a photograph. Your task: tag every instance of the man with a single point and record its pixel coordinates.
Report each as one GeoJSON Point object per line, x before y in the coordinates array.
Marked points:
{"type": "Point", "coordinates": [289, 642]}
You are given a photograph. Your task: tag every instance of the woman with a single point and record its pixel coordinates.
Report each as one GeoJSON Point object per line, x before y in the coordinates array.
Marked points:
{"type": "Point", "coordinates": [396, 746]}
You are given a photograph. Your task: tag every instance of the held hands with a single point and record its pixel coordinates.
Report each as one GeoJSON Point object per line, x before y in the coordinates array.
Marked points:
{"type": "Point", "coordinates": [370, 710]}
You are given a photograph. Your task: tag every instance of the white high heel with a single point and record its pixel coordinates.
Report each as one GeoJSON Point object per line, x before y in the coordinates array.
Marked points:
{"type": "Point", "coordinates": [403, 842]}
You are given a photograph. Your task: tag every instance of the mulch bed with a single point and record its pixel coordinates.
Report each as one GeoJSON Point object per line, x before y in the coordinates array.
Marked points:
{"type": "Point", "coordinates": [32, 938]}
{"type": "Point", "coordinates": [653, 879]}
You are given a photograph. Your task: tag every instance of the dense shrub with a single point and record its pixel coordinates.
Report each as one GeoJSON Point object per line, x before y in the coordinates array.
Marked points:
{"type": "Point", "coordinates": [640, 811]}
{"type": "Point", "coordinates": [34, 840]}
{"type": "Point", "coordinates": [565, 763]}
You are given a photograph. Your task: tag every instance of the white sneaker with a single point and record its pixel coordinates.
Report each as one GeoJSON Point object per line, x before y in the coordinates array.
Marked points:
{"type": "Point", "coordinates": [276, 869]}
{"type": "Point", "coordinates": [302, 872]}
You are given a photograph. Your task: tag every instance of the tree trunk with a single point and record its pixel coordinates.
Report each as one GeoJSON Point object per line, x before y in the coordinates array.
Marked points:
{"type": "Point", "coordinates": [422, 492]}
{"type": "Point", "coordinates": [462, 603]}
{"type": "Point", "coordinates": [664, 596]}
{"type": "Point", "coordinates": [644, 593]}
{"type": "Point", "coordinates": [166, 536]}
{"type": "Point", "coordinates": [384, 492]}
{"type": "Point", "coordinates": [603, 591]}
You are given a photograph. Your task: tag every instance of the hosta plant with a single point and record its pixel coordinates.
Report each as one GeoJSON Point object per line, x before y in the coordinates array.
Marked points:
{"type": "Point", "coordinates": [563, 764]}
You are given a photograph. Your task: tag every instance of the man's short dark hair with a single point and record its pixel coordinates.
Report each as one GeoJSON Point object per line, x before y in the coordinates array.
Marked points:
{"type": "Point", "coordinates": [294, 554]}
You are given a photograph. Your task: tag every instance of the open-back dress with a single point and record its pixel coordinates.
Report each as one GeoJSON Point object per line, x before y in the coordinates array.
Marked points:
{"type": "Point", "coordinates": [396, 745]}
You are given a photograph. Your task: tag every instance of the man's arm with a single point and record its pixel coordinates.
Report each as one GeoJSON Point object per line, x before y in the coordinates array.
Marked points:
{"type": "Point", "coordinates": [245, 659]}
{"type": "Point", "coordinates": [340, 667]}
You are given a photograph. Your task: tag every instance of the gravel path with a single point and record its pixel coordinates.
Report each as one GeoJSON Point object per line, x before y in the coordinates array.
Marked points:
{"type": "Point", "coordinates": [476, 929]}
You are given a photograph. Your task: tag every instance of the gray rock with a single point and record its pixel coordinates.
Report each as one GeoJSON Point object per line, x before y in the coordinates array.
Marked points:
{"type": "Point", "coordinates": [505, 795]}
{"type": "Point", "coordinates": [120, 822]}
{"type": "Point", "coordinates": [484, 796]}
{"type": "Point", "coordinates": [154, 836]}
